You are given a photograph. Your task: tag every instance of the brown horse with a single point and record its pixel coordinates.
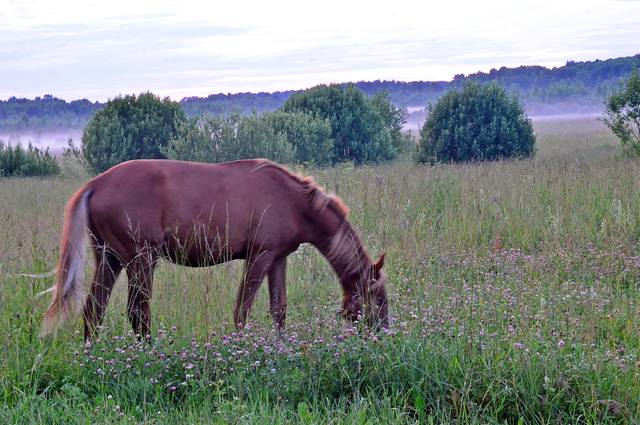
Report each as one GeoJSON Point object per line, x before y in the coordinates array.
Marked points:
{"type": "Point", "coordinates": [203, 214]}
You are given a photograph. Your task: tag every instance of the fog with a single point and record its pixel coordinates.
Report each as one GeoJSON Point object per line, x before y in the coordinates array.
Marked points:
{"type": "Point", "coordinates": [55, 140]}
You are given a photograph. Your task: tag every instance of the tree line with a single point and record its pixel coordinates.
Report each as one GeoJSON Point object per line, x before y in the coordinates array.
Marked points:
{"type": "Point", "coordinates": [321, 126]}
{"type": "Point", "coordinates": [584, 82]}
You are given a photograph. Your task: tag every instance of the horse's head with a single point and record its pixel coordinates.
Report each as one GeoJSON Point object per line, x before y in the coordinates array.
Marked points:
{"type": "Point", "coordinates": [374, 295]}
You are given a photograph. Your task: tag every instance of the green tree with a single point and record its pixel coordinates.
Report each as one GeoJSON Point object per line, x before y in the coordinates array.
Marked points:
{"type": "Point", "coordinates": [228, 138]}
{"type": "Point", "coordinates": [309, 136]}
{"type": "Point", "coordinates": [18, 161]}
{"type": "Point", "coordinates": [359, 133]}
{"type": "Point", "coordinates": [129, 127]}
{"type": "Point", "coordinates": [476, 123]}
{"type": "Point", "coordinates": [623, 113]}
{"type": "Point", "coordinates": [394, 119]}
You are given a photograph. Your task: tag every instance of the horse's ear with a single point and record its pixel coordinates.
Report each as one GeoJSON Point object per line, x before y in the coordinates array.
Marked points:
{"type": "Point", "coordinates": [378, 265]}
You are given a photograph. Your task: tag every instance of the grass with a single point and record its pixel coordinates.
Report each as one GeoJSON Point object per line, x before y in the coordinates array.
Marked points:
{"type": "Point", "coordinates": [514, 295]}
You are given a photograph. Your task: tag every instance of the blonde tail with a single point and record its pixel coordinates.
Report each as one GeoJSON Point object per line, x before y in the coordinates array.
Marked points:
{"type": "Point", "coordinates": [69, 290]}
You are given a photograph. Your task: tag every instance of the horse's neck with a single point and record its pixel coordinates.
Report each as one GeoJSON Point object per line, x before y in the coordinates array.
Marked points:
{"type": "Point", "coordinates": [342, 247]}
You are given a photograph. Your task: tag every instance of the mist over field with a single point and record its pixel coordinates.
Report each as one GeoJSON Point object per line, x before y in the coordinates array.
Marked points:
{"type": "Point", "coordinates": [55, 140]}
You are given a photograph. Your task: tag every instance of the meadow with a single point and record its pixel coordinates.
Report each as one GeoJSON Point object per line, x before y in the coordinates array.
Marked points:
{"type": "Point", "coordinates": [514, 294]}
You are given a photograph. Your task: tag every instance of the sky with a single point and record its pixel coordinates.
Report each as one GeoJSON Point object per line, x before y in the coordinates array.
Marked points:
{"type": "Point", "coordinates": [100, 49]}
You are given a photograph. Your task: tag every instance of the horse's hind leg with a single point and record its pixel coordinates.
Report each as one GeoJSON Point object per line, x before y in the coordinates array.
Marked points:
{"type": "Point", "coordinates": [140, 274]}
{"type": "Point", "coordinates": [255, 269]}
{"type": "Point", "coordinates": [108, 268]}
{"type": "Point", "coordinates": [278, 292]}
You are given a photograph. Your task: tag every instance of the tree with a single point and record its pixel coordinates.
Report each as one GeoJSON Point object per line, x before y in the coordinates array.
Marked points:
{"type": "Point", "coordinates": [623, 113]}
{"type": "Point", "coordinates": [359, 133]}
{"type": "Point", "coordinates": [394, 119]}
{"type": "Point", "coordinates": [476, 123]}
{"type": "Point", "coordinates": [129, 127]}
{"type": "Point", "coordinates": [279, 136]}
{"type": "Point", "coordinates": [228, 138]}
{"type": "Point", "coordinates": [310, 137]}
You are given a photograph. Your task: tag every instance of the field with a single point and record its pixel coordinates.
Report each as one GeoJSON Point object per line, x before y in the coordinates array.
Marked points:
{"type": "Point", "coordinates": [515, 297]}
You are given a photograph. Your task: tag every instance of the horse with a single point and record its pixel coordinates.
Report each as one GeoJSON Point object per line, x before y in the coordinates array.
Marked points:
{"type": "Point", "coordinates": [195, 214]}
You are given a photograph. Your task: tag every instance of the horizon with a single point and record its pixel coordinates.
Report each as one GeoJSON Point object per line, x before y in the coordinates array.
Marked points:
{"type": "Point", "coordinates": [74, 49]}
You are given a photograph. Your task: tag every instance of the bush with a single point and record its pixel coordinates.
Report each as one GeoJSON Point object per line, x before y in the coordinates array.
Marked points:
{"type": "Point", "coordinates": [394, 119]}
{"type": "Point", "coordinates": [129, 127]}
{"type": "Point", "coordinates": [279, 136]}
{"type": "Point", "coordinates": [219, 139]}
{"type": "Point", "coordinates": [18, 161]}
{"type": "Point", "coordinates": [358, 131]}
{"type": "Point", "coordinates": [623, 114]}
{"type": "Point", "coordinates": [309, 136]}
{"type": "Point", "coordinates": [476, 123]}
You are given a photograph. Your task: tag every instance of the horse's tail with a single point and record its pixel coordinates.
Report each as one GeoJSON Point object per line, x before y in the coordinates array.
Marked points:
{"type": "Point", "coordinates": [69, 291]}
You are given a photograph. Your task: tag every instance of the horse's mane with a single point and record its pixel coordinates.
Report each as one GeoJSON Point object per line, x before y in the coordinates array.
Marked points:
{"type": "Point", "coordinates": [319, 198]}
{"type": "Point", "coordinates": [345, 249]}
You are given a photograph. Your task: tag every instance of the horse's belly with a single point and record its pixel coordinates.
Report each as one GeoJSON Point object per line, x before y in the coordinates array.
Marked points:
{"type": "Point", "coordinates": [196, 249]}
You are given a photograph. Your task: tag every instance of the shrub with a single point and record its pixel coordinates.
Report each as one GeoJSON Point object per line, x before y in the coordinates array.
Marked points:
{"type": "Point", "coordinates": [219, 139]}
{"type": "Point", "coordinates": [623, 113]}
{"type": "Point", "coordinates": [358, 131]}
{"type": "Point", "coordinates": [310, 137]}
{"type": "Point", "coordinates": [129, 127]}
{"type": "Point", "coordinates": [18, 161]}
{"type": "Point", "coordinates": [476, 123]}
{"type": "Point", "coordinates": [394, 119]}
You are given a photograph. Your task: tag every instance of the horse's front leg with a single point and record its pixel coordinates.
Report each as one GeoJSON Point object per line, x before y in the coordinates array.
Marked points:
{"type": "Point", "coordinates": [140, 275]}
{"type": "Point", "coordinates": [255, 269]}
{"type": "Point", "coordinates": [278, 292]}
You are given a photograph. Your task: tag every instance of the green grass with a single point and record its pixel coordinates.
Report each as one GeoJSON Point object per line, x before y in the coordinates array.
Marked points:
{"type": "Point", "coordinates": [514, 293]}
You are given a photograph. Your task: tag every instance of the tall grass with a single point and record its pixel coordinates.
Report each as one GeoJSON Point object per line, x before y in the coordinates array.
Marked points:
{"type": "Point", "coordinates": [514, 295]}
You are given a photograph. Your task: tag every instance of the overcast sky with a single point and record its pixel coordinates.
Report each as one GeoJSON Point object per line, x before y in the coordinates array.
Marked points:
{"type": "Point", "coordinates": [99, 49]}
